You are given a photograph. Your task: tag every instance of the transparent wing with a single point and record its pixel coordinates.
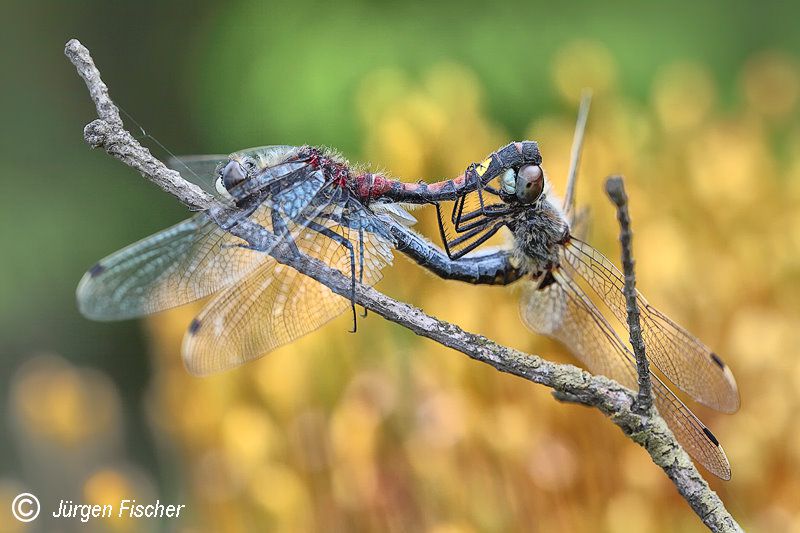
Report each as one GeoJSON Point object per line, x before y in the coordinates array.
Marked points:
{"type": "Point", "coordinates": [394, 211]}
{"type": "Point", "coordinates": [277, 304]}
{"type": "Point", "coordinates": [175, 266]}
{"type": "Point", "coordinates": [687, 362]}
{"type": "Point", "coordinates": [199, 169]}
{"type": "Point", "coordinates": [560, 309]}
{"type": "Point", "coordinates": [190, 260]}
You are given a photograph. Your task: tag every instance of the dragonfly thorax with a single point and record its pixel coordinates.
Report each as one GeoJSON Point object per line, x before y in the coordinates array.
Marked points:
{"type": "Point", "coordinates": [244, 165]}
{"type": "Point", "coordinates": [538, 234]}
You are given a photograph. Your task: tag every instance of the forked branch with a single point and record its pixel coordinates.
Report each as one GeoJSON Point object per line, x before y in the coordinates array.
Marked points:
{"type": "Point", "coordinates": [612, 399]}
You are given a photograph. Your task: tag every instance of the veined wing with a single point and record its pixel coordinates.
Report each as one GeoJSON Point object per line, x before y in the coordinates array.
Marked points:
{"type": "Point", "coordinates": [559, 308]}
{"type": "Point", "coordinates": [277, 304]}
{"type": "Point", "coordinates": [186, 262]}
{"type": "Point", "coordinates": [175, 266]}
{"type": "Point", "coordinates": [687, 362]}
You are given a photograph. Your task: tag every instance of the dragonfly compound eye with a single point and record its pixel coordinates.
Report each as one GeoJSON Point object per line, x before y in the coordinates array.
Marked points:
{"type": "Point", "coordinates": [530, 184]}
{"type": "Point", "coordinates": [232, 174]}
{"type": "Point", "coordinates": [508, 181]}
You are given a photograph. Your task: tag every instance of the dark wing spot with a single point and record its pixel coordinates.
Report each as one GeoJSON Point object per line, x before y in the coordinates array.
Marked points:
{"type": "Point", "coordinates": [96, 270]}
{"type": "Point", "coordinates": [716, 359]}
{"type": "Point", "coordinates": [194, 326]}
{"type": "Point", "coordinates": [711, 436]}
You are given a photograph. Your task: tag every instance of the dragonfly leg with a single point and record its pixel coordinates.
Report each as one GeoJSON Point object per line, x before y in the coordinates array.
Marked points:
{"type": "Point", "coordinates": [281, 230]}
{"type": "Point", "coordinates": [361, 262]}
{"type": "Point", "coordinates": [349, 245]}
{"type": "Point", "coordinates": [481, 230]}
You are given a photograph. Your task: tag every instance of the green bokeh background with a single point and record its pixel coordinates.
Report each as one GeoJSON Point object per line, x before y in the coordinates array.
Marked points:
{"type": "Point", "coordinates": [178, 69]}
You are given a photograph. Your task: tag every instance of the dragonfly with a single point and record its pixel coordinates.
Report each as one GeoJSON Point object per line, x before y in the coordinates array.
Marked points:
{"type": "Point", "coordinates": [308, 197]}
{"type": "Point", "coordinates": [560, 272]}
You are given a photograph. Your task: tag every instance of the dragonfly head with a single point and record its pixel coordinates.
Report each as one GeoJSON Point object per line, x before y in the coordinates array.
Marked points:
{"type": "Point", "coordinates": [524, 185]}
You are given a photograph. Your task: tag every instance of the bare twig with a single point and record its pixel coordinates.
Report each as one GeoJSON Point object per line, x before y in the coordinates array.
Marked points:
{"type": "Point", "coordinates": [575, 153]}
{"type": "Point", "coordinates": [611, 398]}
{"type": "Point", "coordinates": [615, 188]}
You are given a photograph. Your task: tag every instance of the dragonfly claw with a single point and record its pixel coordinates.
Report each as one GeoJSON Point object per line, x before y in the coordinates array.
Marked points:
{"type": "Point", "coordinates": [355, 319]}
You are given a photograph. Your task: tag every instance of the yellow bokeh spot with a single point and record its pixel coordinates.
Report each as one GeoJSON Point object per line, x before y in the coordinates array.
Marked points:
{"type": "Point", "coordinates": [629, 512]}
{"type": "Point", "coordinates": [58, 402]}
{"type": "Point", "coordinates": [353, 428]}
{"type": "Point", "coordinates": [247, 437]}
{"type": "Point", "coordinates": [663, 255]}
{"type": "Point", "coordinates": [583, 64]}
{"type": "Point", "coordinates": [552, 463]}
{"type": "Point", "coordinates": [451, 527]}
{"type": "Point", "coordinates": [771, 83]}
{"type": "Point", "coordinates": [281, 492]}
{"type": "Point", "coordinates": [728, 165]}
{"type": "Point", "coordinates": [683, 96]}
{"type": "Point", "coordinates": [282, 377]}
{"type": "Point", "coordinates": [758, 335]}
{"type": "Point", "coordinates": [107, 486]}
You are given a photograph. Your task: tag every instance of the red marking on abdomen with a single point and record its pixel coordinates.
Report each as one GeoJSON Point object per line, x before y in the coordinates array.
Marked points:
{"type": "Point", "coordinates": [372, 186]}
{"type": "Point", "coordinates": [369, 186]}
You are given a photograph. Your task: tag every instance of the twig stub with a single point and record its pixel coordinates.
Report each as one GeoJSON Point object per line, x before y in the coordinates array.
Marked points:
{"type": "Point", "coordinates": [80, 57]}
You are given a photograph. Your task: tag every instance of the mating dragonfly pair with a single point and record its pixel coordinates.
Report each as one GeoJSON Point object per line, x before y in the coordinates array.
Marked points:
{"type": "Point", "coordinates": [314, 201]}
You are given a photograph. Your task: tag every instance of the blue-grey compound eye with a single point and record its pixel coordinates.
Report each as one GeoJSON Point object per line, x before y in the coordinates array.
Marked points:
{"type": "Point", "coordinates": [530, 184]}
{"type": "Point", "coordinates": [508, 181]}
{"type": "Point", "coordinates": [232, 175]}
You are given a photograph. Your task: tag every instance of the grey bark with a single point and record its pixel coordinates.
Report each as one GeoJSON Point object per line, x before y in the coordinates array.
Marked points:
{"type": "Point", "coordinates": [616, 191]}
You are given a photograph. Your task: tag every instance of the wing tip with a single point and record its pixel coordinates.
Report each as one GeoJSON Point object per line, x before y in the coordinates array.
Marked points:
{"type": "Point", "coordinates": [194, 326]}
{"type": "Point", "coordinates": [732, 400]}
{"type": "Point", "coordinates": [91, 306]}
{"type": "Point", "coordinates": [190, 362]}
{"type": "Point", "coordinates": [195, 365]}
{"type": "Point", "coordinates": [83, 294]}
{"type": "Point", "coordinates": [723, 469]}
{"type": "Point", "coordinates": [97, 269]}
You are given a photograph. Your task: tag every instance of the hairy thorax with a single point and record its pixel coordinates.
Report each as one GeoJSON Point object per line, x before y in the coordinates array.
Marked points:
{"type": "Point", "coordinates": [538, 234]}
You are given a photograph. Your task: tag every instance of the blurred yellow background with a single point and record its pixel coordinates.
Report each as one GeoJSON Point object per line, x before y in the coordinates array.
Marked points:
{"type": "Point", "coordinates": [384, 431]}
